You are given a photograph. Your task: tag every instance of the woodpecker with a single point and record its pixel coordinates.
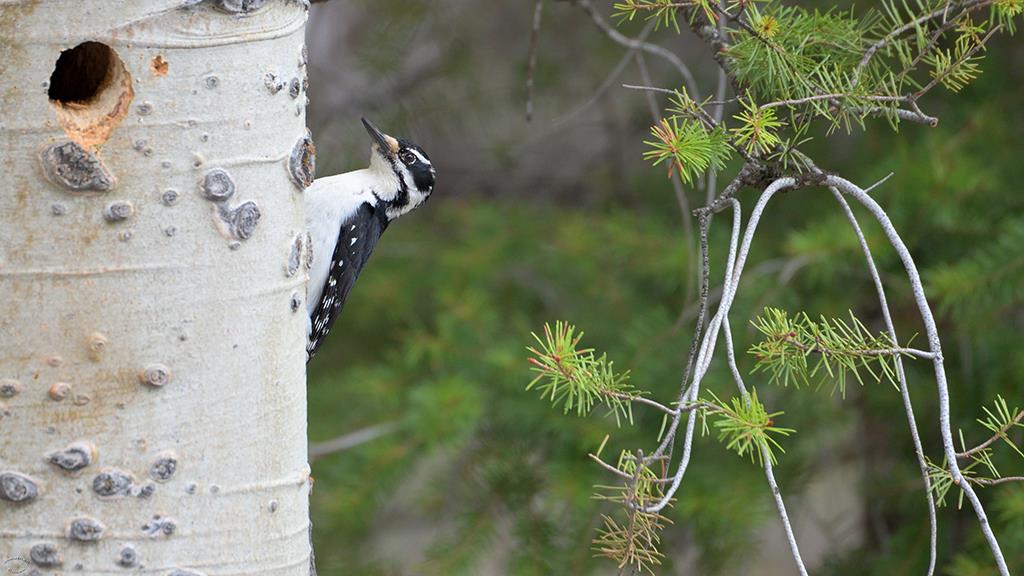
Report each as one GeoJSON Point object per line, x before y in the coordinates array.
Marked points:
{"type": "Point", "coordinates": [346, 215]}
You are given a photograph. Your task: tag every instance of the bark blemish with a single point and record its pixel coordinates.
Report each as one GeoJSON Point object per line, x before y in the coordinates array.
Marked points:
{"type": "Point", "coordinates": [240, 6]}
{"type": "Point", "coordinates": [145, 491]}
{"type": "Point", "coordinates": [127, 557]}
{"type": "Point", "coordinates": [170, 197]}
{"type": "Point", "coordinates": [17, 487]}
{"type": "Point", "coordinates": [159, 526]}
{"type": "Point", "coordinates": [59, 391]}
{"type": "Point", "coordinates": [74, 457]}
{"type": "Point", "coordinates": [85, 529]}
{"type": "Point", "coordinates": [218, 185]}
{"type": "Point", "coordinates": [296, 301]}
{"type": "Point", "coordinates": [302, 162]}
{"type": "Point", "coordinates": [45, 555]}
{"type": "Point", "coordinates": [309, 251]}
{"type": "Point", "coordinates": [164, 468]}
{"type": "Point", "coordinates": [73, 167]}
{"type": "Point", "coordinates": [159, 66]}
{"type": "Point", "coordinates": [273, 83]}
{"type": "Point", "coordinates": [9, 387]}
{"type": "Point", "coordinates": [97, 344]}
{"type": "Point", "coordinates": [112, 483]}
{"type": "Point", "coordinates": [118, 211]}
{"type": "Point", "coordinates": [294, 260]}
{"type": "Point", "coordinates": [156, 375]}
{"type": "Point", "coordinates": [91, 91]}
{"type": "Point", "coordinates": [244, 220]}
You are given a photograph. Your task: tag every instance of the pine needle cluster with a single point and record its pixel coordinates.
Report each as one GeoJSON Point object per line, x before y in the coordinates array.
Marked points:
{"type": "Point", "coordinates": [745, 426]}
{"type": "Point", "coordinates": [576, 378]}
{"type": "Point", "coordinates": [632, 537]}
{"type": "Point", "coordinates": [795, 66]}
{"type": "Point", "coordinates": [800, 351]}
{"type": "Point", "coordinates": [980, 468]}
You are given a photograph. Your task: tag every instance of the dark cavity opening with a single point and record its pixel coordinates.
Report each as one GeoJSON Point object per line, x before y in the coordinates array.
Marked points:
{"type": "Point", "coordinates": [81, 73]}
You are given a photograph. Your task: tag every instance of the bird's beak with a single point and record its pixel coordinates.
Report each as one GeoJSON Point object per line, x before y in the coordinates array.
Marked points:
{"type": "Point", "coordinates": [386, 144]}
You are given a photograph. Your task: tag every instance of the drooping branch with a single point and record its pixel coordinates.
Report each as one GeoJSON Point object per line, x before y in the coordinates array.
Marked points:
{"type": "Point", "coordinates": [935, 345]}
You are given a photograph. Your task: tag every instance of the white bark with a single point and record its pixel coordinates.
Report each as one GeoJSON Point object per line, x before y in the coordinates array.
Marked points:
{"type": "Point", "coordinates": [151, 331]}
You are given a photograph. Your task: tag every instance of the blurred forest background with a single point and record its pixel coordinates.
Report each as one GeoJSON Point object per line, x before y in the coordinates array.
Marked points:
{"type": "Point", "coordinates": [560, 218]}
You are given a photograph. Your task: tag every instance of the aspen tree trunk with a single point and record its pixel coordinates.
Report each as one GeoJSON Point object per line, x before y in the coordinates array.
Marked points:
{"type": "Point", "coordinates": [153, 155]}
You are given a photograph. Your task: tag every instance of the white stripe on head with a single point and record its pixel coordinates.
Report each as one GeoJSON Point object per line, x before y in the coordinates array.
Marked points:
{"type": "Point", "coordinates": [420, 156]}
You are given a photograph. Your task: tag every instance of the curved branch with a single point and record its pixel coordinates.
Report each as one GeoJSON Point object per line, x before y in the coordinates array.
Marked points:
{"type": "Point", "coordinates": [634, 44]}
{"type": "Point", "coordinates": [935, 344]}
{"type": "Point", "coordinates": [908, 406]}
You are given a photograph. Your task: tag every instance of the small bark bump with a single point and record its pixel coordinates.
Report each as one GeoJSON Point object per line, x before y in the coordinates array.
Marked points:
{"type": "Point", "coordinates": [302, 162]}
{"type": "Point", "coordinates": [218, 185]}
{"type": "Point", "coordinates": [156, 375]}
{"type": "Point", "coordinates": [159, 526]}
{"type": "Point", "coordinates": [45, 555]}
{"type": "Point", "coordinates": [76, 456]}
{"type": "Point", "coordinates": [127, 557]}
{"type": "Point", "coordinates": [244, 220]}
{"type": "Point", "coordinates": [59, 391]}
{"type": "Point", "coordinates": [118, 211]}
{"type": "Point", "coordinates": [294, 257]}
{"type": "Point", "coordinates": [273, 83]}
{"type": "Point", "coordinates": [17, 487]}
{"type": "Point", "coordinates": [85, 529]}
{"type": "Point", "coordinates": [169, 197]}
{"type": "Point", "coordinates": [97, 344]}
{"type": "Point", "coordinates": [75, 168]}
{"type": "Point", "coordinates": [164, 468]}
{"type": "Point", "coordinates": [9, 387]}
{"type": "Point", "coordinates": [112, 483]}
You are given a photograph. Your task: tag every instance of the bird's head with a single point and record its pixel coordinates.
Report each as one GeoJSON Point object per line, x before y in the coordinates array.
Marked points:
{"type": "Point", "coordinates": [404, 169]}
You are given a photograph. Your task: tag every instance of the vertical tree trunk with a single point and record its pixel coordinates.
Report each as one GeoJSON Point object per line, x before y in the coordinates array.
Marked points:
{"type": "Point", "coordinates": [152, 366]}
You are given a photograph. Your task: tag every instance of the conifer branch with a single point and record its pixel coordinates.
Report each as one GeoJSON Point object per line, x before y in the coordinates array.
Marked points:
{"type": "Point", "coordinates": [1000, 424]}
{"type": "Point", "coordinates": [932, 333]}
{"type": "Point", "coordinates": [908, 405]}
{"type": "Point", "coordinates": [815, 66]}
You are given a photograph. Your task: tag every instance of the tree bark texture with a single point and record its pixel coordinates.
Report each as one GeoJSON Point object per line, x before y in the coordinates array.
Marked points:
{"type": "Point", "coordinates": [153, 155]}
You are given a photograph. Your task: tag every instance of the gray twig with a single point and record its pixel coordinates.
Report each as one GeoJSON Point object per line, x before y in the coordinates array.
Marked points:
{"type": "Point", "coordinates": [350, 440]}
{"type": "Point", "coordinates": [932, 332]}
{"type": "Point", "coordinates": [908, 406]}
{"type": "Point", "coordinates": [531, 65]}
{"type": "Point", "coordinates": [769, 473]}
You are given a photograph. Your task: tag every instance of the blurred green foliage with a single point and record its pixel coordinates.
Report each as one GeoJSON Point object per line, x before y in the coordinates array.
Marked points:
{"type": "Point", "coordinates": [483, 478]}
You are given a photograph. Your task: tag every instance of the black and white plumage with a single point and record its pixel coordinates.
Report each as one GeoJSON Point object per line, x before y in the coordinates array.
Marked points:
{"type": "Point", "coordinates": [346, 215]}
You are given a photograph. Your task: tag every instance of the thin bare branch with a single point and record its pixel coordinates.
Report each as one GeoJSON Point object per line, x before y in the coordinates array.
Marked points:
{"type": "Point", "coordinates": [350, 440]}
{"type": "Point", "coordinates": [935, 344]}
{"type": "Point", "coordinates": [908, 406]}
{"type": "Point", "coordinates": [637, 44]}
{"type": "Point", "coordinates": [531, 65]}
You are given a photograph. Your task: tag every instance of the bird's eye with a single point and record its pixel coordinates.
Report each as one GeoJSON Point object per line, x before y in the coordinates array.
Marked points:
{"type": "Point", "coordinates": [408, 158]}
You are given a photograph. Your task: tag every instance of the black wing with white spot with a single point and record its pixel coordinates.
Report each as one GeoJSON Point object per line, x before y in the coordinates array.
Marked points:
{"type": "Point", "coordinates": [356, 240]}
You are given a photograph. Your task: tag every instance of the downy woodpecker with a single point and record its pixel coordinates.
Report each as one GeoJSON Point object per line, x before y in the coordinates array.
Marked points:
{"type": "Point", "coordinates": [346, 215]}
